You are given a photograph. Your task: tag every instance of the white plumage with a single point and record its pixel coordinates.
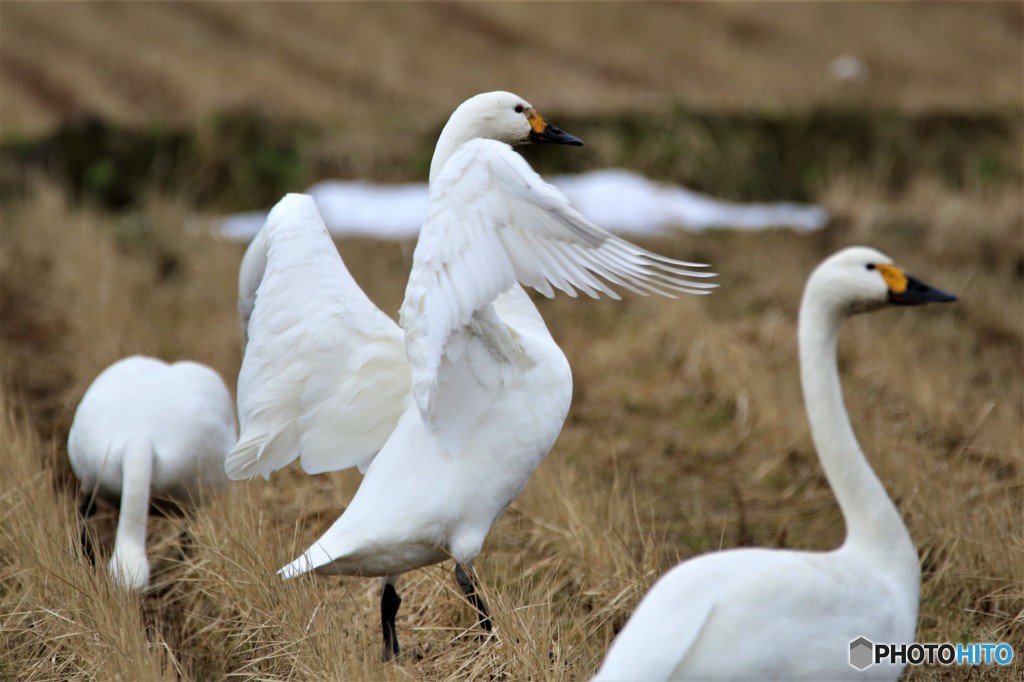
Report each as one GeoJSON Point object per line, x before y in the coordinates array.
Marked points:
{"type": "Point", "coordinates": [466, 402]}
{"type": "Point", "coordinates": [324, 371]}
{"type": "Point", "coordinates": [492, 222]}
{"type": "Point", "coordinates": [762, 614]}
{"type": "Point", "coordinates": [146, 428]}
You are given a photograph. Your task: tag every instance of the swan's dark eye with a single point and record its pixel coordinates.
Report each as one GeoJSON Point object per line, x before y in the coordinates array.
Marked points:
{"type": "Point", "coordinates": [870, 266]}
{"type": "Point", "coordinates": [519, 108]}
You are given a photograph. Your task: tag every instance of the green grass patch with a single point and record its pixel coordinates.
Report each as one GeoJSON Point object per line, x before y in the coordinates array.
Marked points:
{"type": "Point", "coordinates": [241, 160]}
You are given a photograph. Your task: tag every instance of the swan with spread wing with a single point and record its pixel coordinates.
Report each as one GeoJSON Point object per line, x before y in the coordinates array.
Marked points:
{"type": "Point", "coordinates": [450, 413]}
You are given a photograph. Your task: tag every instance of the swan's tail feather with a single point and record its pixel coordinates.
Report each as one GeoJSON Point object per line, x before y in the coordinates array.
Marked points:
{"type": "Point", "coordinates": [315, 558]}
{"type": "Point", "coordinates": [296, 568]}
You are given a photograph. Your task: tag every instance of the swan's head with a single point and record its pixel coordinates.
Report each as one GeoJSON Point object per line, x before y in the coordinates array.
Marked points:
{"type": "Point", "coordinates": [858, 279]}
{"type": "Point", "coordinates": [507, 118]}
{"type": "Point", "coordinates": [129, 567]}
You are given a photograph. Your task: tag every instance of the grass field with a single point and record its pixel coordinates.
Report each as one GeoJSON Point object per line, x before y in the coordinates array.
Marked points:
{"type": "Point", "coordinates": [370, 67]}
{"type": "Point", "coordinates": [687, 432]}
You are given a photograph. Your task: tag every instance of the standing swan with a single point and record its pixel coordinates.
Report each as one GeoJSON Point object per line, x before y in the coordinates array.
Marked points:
{"type": "Point", "coordinates": [148, 428]}
{"type": "Point", "coordinates": [453, 411]}
{"type": "Point", "coordinates": [759, 614]}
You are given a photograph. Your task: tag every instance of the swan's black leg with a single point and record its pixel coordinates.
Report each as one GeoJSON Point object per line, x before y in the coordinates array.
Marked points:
{"type": "Point", "coordinates": [185, 542]}
{"type": "Point", "coordinates": [467, 583]}
{"type": "Point", "coordinates": [389, 603]}
{"type": "Point", "coordinates": [86, 508]}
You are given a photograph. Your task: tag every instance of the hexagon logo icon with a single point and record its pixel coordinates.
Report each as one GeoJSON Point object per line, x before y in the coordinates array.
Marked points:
{"type": "Point", "coordinates": [861, 653]}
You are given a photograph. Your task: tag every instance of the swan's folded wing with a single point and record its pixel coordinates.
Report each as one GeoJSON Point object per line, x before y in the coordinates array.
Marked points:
{"type": "Point", "coordinates": [324, 372]}
{"type": "Point", "coordinates": [662, 630]}
{"type": "Point", "coordinates": [492, 221]}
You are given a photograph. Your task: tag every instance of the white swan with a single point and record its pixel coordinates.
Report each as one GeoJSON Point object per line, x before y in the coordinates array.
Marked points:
{"type": "Point", "coordinates": [148, 428]}
{"type": "Point", "coordinates": [466, 402]}
{"type": "Point", "coordinates": [759, 614]}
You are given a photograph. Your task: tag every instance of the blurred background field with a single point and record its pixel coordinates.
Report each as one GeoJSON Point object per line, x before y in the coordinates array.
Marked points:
{"type": "Point", "coordinates": [123, 125]}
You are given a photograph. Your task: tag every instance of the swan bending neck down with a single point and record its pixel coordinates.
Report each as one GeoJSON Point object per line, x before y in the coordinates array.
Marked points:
{"type": "Point", "coordinates": [146, 428]}
{"type": "Point", "coordinates": [759, 614]}
{"type": "Point", "coordinates": [450, 414]}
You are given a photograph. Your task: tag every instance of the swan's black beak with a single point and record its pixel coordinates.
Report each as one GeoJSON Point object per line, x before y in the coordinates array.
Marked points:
{"type": "Point", "coordinates": [542, 131]}
{"type": "Point", "coordinates": [905, 290]}
{"type": "Point", "coordinates": [555, 135]}
{"type": "Point", "coordinates": [917, 292]}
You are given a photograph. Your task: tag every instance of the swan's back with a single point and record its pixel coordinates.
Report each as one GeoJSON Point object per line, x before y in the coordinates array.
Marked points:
{"type": "Point", "coordinates": [742, 613]}
{"type": "Point", "coordinates": [182, 412]}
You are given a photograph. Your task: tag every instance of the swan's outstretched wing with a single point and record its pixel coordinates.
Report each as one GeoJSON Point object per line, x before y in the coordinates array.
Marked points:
{"type": "Point", "coordinates": [324, 372]}
{"type": "Point", "coordinates": [250, 274]}
{"type": "Point", "coordinates": [492, 221]}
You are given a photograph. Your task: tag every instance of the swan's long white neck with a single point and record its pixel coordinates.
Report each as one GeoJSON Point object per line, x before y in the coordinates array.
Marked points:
{"type": "Point", "coordinates": [130, 541]}
{"type": "Point", "coordinates": [465, 124]}
{"type": "Point", "coordinates": [873, 524]}
{"type": "Point", "coordinates": [454, 134]}
{"type": "Point", "coordinates": [473, 119]}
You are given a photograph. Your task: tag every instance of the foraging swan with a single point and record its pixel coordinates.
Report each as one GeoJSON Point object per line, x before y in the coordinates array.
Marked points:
{"type": "Point", "coordinates": [144, 428]}
{"type": "Point", "coordinates": [453, 411]}
{"type": "Point", "coordinates": [758, 614]}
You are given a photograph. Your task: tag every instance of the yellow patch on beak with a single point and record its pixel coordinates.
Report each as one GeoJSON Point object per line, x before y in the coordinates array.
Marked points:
{"type": "Point", "coordinates": [538, 124]}
{"type": "Point", "coordinates": [894, 277]}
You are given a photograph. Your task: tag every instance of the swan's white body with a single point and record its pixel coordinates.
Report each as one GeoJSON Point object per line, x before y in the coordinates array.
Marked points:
{"type": "Point", "coordinates": [325, 375]}
{"type": "Point", "coordinates": [146, 428]}
{"type": "Point", "coordinates": [456, 408]}
{"type": "Point", "coordinates": [762, 614]}
{"type": "Point", "coordinates": [418, 504]}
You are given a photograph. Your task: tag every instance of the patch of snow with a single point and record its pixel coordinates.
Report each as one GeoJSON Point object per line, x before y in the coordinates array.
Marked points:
{"type": "Point", "coordinates": [626, 203]}
{"type": "Point", "coordinates": [619, 201]}
{"type": "Point", "coordinates": [847, 67]}
{"type": "Point", "coordinates": [366, 209]}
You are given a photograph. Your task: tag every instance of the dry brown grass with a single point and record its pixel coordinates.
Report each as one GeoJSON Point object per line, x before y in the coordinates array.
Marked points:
{"type": "Point", "coordinates": [344, 64]}
{"type": "Point", "coordinates": [686, 434]}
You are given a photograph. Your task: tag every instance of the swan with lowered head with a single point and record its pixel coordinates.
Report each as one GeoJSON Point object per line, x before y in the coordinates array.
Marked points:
{"type": "Point", "coordinates": [146, 428]}
{"type": "Point", "coordinates": [761, 614]}
{"type": "Point", "coordinates": [450, 414]}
